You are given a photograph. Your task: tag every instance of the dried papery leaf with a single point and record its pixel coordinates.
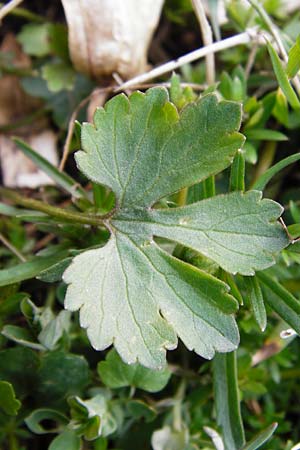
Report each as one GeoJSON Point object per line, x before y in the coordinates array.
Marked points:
{"type": "Point", "coordinates": [107, 36]}
{"type": "Point", "coordinates": [18, 170]}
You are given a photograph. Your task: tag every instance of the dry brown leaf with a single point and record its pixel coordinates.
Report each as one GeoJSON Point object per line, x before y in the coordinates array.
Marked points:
{"type": "Point", "coordinates": [107, 36]}
{"type": "Point", "coordinates": [15, 104]}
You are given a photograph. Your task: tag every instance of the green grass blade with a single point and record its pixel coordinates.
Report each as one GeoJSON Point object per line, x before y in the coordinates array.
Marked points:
{"type": "Point", "coordinates": [281, 301]}
{"type": "Point", "coordinates": [282, 78]}
{"type": "Point", "coordinates": [264, 179]}
{"type": "Point", "coordinates": [227, 400]}
{"type": "Point", "coordinates": [27, 215]}
{"type": "Point", "coordinates": [261, 438]}
{"type": "Point", "coordinates": [293, 65]}
{"type": "Point", "coordinates": [256, 300]}
{"type": "Point", "coordinates": [61, 178]}
{"type": "Point", "coordinates": [29, 269]}
{"type": "Point", "coordinates": [261, 134]}
{"type": "Point", "coordinates": [237, 173]}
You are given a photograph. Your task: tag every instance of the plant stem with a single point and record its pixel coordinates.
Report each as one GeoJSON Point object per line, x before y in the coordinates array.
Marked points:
{"type": "Point", "coordinates": [270, 25]}
{"type": "Point", "coordinates": [237, 172]}
{"type": "Point", "coordinates": [71, 125]}
{"type": "Point", "coordinates": [13, 442]}
{"type": "Point", "coordinates": [209, 187]}
{"type": "Point", "coordinates": [53, 211]}
{"type": "Point", "coordinates": [179, 396]}
{"type": "Point", "coordinates": [182, 196]}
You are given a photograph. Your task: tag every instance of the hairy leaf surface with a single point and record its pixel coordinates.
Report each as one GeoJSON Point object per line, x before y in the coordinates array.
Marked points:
{"type": "Point", "coordinates": [143, 150]}
{"type": "Point", "coordinates": [131, 292]}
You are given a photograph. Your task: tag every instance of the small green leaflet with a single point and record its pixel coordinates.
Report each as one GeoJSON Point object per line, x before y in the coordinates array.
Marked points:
{"type": "Point", "coordinates": [8, 401]}
{"type": "Point", "coordinates": [131, 292]}
{"type": "Point", "coordinates": [114, 373]}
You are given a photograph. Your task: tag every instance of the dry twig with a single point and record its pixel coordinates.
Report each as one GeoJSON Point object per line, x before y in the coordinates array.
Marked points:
{"type": "Point", "coordinates": [72, 123]}
{"type": "Point", "coordinates": [207, 37]}
{"type": "Point", "coordinates": [6, 9]}
{"type": "Point", "coordinates": [12, 248]}
{"type": "Point", "coordinates": [239, 39]}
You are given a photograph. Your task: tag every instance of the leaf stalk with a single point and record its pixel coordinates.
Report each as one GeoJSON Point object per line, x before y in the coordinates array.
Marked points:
{"type": "Point", "coordinates": [53, 211]}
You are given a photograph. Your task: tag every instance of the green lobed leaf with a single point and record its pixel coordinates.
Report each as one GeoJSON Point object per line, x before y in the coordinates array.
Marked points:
{"type": "Point", "coordinates": [175, 296]}
{"type": "Point", "coordinates": [8, 402]}
{"type": "Point", "coordinates": [59, 76]}
{"type": "Point", "coordinates": [35, 39]}
{"type": "Point", "coordinates": [227, 401]}
{"type": "Point", "coordinates": [115, 374]}
{"type": "Point", "coordinates": [237, 230]}
{"type": "Point", "coordinates": [143, 150]}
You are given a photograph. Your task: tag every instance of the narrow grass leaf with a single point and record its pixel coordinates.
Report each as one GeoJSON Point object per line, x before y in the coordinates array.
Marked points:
{"type": "Point", "coordinates": [293, 65]}
{"type": "Point", "coordinates": [61, 178]}
{"type": "Point", "coordinates": [264, 179]}
{"type": "Point", "coordinates": [282, 78]}
{"type": "Point", "coordinates": [256, 300]}
{"type": "Point", "coordinates": [260, 134]}
{"type": "Point", "coordinates": [227, 400]}
{"type": "Point", "coordinates": [237, 172]}
{"type": "Point", "coordinates": [261, 438]}
{"type": "Point", "coordinates": [29, 269]}
{"type": "Point", "coordinates": [281, 301]}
